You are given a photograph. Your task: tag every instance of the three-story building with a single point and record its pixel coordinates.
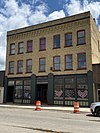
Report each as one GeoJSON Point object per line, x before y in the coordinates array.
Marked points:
{"type": "Point", "coordinates": [53, 62]}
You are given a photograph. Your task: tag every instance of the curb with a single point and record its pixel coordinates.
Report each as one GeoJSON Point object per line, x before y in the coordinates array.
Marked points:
{"type": "Point", "coordinates": [52, 108]}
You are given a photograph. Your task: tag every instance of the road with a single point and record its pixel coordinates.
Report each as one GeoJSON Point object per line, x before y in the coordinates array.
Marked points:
{"type": "Point", "coordinates": [45, 121]}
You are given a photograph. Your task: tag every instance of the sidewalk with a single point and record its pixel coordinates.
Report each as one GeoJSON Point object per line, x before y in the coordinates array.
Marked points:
{"type": "Point", "coordinates": [45, 107]}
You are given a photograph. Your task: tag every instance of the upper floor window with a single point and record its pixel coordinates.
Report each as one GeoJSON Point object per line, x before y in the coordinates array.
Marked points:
{"type": "Point", "coordinates": [11, 67]}
{"type": "Point", "coordinates": [29, 65]}
{"type": "Point", "coordinates": [68, 39]}
{"type": "Point", "coordinates": [81, 37]}
{"type": "Point", "coordinates": [56, 62]}
{"type": "Point", "coordinates": [81, 60]}
{"type": "Point", "coordinates": [19, 66]}
{"type": "Point", "coordinates": [56, 41]}
{"type": "Point", "coordinates": [68, 61]}
{"type": "Point", "coordinates": [29, 45]}
{"type": "Point", "coordinates": [42, 64]}
{"type": "Point", "coordinates": [12, 48]}
{"type": "Point", "coordinates": [42, 43]}
{"type": "Point", "coordinates": [20, 47]}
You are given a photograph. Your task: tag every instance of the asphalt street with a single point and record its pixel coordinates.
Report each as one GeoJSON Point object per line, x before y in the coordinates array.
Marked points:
{"type": "Point", "coordinates": [14, 120]}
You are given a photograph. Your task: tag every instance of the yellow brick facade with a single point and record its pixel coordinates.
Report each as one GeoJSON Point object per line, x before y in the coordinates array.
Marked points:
{"type": "Point", "coordinates": [48, 30]}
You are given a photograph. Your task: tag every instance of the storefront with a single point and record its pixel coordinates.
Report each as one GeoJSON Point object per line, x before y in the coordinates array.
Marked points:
{"type": "Point", "coordinates": [52, 89]}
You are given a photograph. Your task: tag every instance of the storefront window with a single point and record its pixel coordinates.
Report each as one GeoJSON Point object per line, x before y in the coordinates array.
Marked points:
{"type": "Point", "coordinates": [82, 88]}
{"type": "Point", "coordinates": [27, 89]}
{"type": "Point", "coordinates": [69, 88]}
{"type": "Point", "coordinates": [58, 89]}
{"type": "Point", "coordinates": [18, 92]}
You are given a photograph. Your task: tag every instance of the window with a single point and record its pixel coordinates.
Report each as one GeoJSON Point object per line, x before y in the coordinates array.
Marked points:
{"type": "Point", "coordinates": [82, 60]}
{"type": "Point", "coordinates": [11, 67]}
{"type": "Point", "coordinates": [12, 49]}
{"type": "Point", "coordinates": [56, 61]}
{"type": "Point", "coordinates": [42, 43]}
{"type": "Point", "coordinates": [68, 39]}
{"type": "Point", "coordinates": [20, 66]}
{"type": "Point", "coordinates": [56, 41]}
{"type": "Point", "coordinates": [68, 61]}
{"type": "Point", "coordinates": [18, 91]}
{"type": "Point", "coordinates": [42, 64]}
{"type": "Point", "coordinates": [81, 37]}
{"type": "Point", "coordinates": [29, 45]}
{"type": "Point", "coordinates": [20, 47]}
{"type": "Point", "coordinates": [29, 65]}
{"type": "Point", "coordinates": [27, 89]}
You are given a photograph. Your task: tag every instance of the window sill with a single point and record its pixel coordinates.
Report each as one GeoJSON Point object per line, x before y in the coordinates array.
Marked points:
{"type": "Point", "coordinates": [10, 73]}
{"type": "Point", "coordinates": [28, 72]}
{"type": "Point", "coordinates": [11, 54]}
{"type": "Point", "coordinates": [81, 44]}
{"type": "Point", "coordinates": [19, 73]}
{"type": "Point", "coordinates": [56, 70]}
{"type": "Point", "coordinates": [68, 70]}
{"type": "Point", "coordinates": [56, 48]}
{"type": "Point", "coordinates": [42, 49]}
{"type": "Point", "coordinates": [20, 53]}
{"type": "Point", "coordinates": [29, 51]}
{"type": "Point", "coordinates": [68, 46]}
{"type": "Point", "coordinates": [81, 68]}
{"type": "Point", "coordinates": [41, 71]}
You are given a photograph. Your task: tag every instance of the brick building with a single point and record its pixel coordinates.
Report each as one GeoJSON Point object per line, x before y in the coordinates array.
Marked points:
{"type": "Point", "coordinates": [53, 62]}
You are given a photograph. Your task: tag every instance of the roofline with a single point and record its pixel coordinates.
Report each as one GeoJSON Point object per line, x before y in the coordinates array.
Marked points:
{"type": "Point", "coordinates": [64, 20]}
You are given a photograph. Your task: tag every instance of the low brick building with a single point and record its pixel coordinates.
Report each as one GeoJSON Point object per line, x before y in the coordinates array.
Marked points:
{"type": "Point", "coordinates": [53, 62]}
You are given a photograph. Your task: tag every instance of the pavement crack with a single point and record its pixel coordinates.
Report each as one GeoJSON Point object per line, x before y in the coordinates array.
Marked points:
{"type": "Point", "coordinates": [38, 129]}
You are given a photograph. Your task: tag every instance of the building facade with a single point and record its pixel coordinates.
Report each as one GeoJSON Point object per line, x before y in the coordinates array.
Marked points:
{"type": "Point", "coordinates": [53, 62]}
{"type": "Point", "coordinates": [2, 76]}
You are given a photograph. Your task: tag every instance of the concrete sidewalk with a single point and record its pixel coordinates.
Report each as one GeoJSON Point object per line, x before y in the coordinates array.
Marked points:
{"type": "Point", "coordinates": [45, 107]}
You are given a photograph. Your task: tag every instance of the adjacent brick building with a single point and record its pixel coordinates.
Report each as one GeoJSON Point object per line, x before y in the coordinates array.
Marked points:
{"type": "Point", "coordinates": [53, 62]}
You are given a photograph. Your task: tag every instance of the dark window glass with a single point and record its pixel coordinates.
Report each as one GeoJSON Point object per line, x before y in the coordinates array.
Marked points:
{"type": "Point", "coordinates": [56, 63]}
{"type": "Point", "coordinates": [18, 92]}
{"type": "Point", "coordinates": [20, 66]}
{"type": "Point", "coordinates": [56, 41]}
{"type": "Point", "coordinates": [81, 37]}
{"type": "Point", "coordinates": [29, 65]}
{"type": "Point", "coordinates": [20, 47]}
{"type": "Point", "coordinates": [27, 92]}
{"type": "Point", "coordinates": [11, 67]}
{"type": "Point", "coordinates": [12, 48]}
{"type": "Point", "coordinates": [82, 88]}
{"type": "Point", "coordinates": [42, 43]}
{"type": "Point", "coordinates": [68, 39]}
{"type": "Point", "coordinates": [68, 61]}
{"type": "Point", "coordinates": [82, 60]}
{"type": "Point", "coordinates": [29, 45]}
{"type": "Point", "coordinates": [58, 89]}
{"type": "Point", "coordinates": [42, 64]}
{"type": "Point", "coordinates": [69, 88]}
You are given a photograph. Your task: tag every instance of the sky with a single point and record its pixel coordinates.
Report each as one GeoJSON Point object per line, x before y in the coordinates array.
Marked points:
{"type": "Point", "coordinates": [16, 14]}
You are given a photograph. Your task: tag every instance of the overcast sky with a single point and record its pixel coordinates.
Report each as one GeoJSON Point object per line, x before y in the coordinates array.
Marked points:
{"type": "Point", "coordinates": [20, 13]}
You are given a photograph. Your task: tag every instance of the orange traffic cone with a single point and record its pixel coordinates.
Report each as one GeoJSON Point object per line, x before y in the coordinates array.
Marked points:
{"type": "Point", "coordinates": [38, 105]}
{"type": "Point", "coordinates": [76, 107]}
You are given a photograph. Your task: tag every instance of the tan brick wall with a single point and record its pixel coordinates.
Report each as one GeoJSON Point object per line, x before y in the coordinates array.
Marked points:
{"type": "Point", "coordinates": [95, 41]}
{"type": "Point", "coordinates": [48, 32]}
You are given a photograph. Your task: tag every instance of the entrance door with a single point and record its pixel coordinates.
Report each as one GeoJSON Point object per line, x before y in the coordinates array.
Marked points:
{"type": "Point", "coordinates": [42, 92]}
{"type": "Point", "coordinates": [10, 91]}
